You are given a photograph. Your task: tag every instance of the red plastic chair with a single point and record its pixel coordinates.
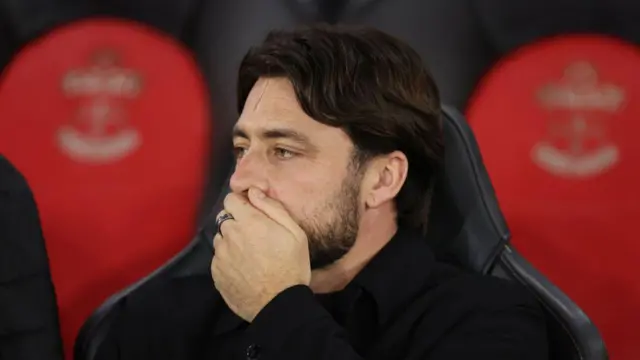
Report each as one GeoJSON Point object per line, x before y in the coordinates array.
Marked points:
{"type": "Point", "coordinates": [109, 122]}
{"type": "Point", "coordinates": [558, 125]}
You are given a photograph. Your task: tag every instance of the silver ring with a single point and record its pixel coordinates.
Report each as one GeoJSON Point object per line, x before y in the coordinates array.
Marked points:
{"type": "Point", "coordinates": [222, 218]}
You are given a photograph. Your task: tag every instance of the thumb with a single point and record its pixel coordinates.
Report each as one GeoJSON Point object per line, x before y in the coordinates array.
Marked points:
{"type": "Point", "coordinates": [274, 210]}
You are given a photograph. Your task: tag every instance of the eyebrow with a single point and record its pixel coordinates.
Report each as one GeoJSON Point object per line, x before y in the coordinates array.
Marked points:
{"type": "Point", "coordinates": [276, 133]}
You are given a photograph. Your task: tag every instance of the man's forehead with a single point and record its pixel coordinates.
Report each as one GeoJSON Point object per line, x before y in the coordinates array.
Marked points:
{"type": "Point", "coordinates": [272, 94]}
{"type": "Point", "coordinates": [272, 103]}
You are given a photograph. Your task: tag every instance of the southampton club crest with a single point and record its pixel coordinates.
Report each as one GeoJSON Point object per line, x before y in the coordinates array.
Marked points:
{"type": "Point", "coordinates": [98, 131]}
{"type": "Point", "coordinates": [579, 107]}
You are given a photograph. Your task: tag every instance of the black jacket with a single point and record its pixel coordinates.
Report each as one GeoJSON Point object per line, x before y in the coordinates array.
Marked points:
{"type": "Point", "coordinates": [403, 305]}
{"type": "Point", "coordinates": [28, 312]}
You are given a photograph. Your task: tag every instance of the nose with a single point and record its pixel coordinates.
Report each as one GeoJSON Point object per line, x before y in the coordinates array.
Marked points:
{"type": "Point", "coordinates": [250, 172]}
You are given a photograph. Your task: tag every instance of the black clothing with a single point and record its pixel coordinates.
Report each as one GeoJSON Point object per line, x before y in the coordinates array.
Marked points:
{"type": "Point", "coordinates": [29, 327]}
{"type": "Point", "coordinates": [403, 305]}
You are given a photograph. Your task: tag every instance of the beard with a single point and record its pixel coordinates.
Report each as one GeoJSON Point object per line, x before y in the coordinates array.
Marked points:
{"type": "Point", "coordinates": [332, 230]}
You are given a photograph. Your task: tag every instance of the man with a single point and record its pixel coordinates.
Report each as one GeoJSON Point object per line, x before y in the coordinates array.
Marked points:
{"type": "Point", "coordinates": [320, 252]}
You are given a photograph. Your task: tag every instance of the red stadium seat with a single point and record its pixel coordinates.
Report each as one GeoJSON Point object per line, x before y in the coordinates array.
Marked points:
{"type": "Point", "coordinates": [109, 122]}
{"type": "Point", "coordinates": [557, 124]}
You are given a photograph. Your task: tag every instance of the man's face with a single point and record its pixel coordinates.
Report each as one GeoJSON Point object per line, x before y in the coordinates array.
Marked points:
{"type": "Point", "coordinates": [304, 164]}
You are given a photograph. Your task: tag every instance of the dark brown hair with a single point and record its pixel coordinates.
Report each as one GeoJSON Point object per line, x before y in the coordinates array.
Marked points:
{"type": "Point", "coordinates": [371, 85]}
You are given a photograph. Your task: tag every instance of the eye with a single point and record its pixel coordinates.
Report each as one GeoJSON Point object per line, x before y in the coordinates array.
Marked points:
{"type": "Point", "coordinates": [284, 154]}
{"type": "Point", "coordinates": [238, 152]}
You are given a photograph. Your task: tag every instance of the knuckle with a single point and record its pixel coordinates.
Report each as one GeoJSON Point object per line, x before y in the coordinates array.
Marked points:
{"type": "Point", "coordinates": [256, 224]}
{"type": "Point", "coordinates": [228, 200]}
{"type": "Point", "coordinates": [255, 217]}
{"type": "Point", "coordinates": [216, 267]}
{"type": "Point", "coordinates": [227, 227]}
{"type": "Point", "coordinates": [217, 240]}
{"type": "Point", "coordinates": [220, 251]}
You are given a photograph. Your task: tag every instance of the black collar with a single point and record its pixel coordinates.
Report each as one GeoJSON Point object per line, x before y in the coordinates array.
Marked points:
{"type": "Point", "coordinates": [398, 273]}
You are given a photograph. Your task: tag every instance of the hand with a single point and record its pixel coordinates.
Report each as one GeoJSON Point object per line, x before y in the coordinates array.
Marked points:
{"type": "Point", "coordinates": [262, 252]}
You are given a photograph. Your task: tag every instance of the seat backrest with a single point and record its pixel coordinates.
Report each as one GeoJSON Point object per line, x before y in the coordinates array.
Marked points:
{"type": "Point", "coordinates": [468, 196]}
{"type": "Point", "coordinates": [29, 328]}
{"type": "Point", "coordinates": [557, 125]}
{"type": "Point", "coordinates": [466, 228]}
{"type": "Point", "coordinates": [109, 122]}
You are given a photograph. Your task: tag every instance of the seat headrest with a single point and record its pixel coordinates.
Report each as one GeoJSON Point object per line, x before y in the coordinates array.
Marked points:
{"type": "Point", "coordinates": [466, 227]}
{"type": "Point", "coordinates": [569, 179]}
{"type": "Point", "coordinates": [109, 122]}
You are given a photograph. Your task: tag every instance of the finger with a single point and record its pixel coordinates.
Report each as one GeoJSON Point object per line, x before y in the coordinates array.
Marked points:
{"type": "Point", "coordinates": [217, 242]}
{"type": "Point", "coordinates": [222, 212]}
{"type": "Point", "coordinates": [225, 227]}
{"type": "Point", "coordinates": [275, 210]}
{"type": "Point", "coordinates": [215, 270]}
{"type": "Point", "coordinates": [240, 207]}
{"type": "Point", "coordinates": [224, 224]}
{"type": "Point", "coordinates": [217, 265]}
{"type": "Point", "coordinates": [222, 248]}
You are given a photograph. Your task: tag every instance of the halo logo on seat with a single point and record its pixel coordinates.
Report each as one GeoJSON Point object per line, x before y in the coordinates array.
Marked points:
{"type": "Point", "coordinates": [99, 131]}
{"type": "Point", "coordinates": [579, 107]}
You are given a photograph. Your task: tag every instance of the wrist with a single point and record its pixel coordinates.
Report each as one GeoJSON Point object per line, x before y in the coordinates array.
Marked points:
{"type": "Point", "coordinates": [271, 293]}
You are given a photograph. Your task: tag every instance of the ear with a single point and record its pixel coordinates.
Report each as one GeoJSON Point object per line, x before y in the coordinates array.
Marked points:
{"type": "Point", "coordinates": [384, 178]}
